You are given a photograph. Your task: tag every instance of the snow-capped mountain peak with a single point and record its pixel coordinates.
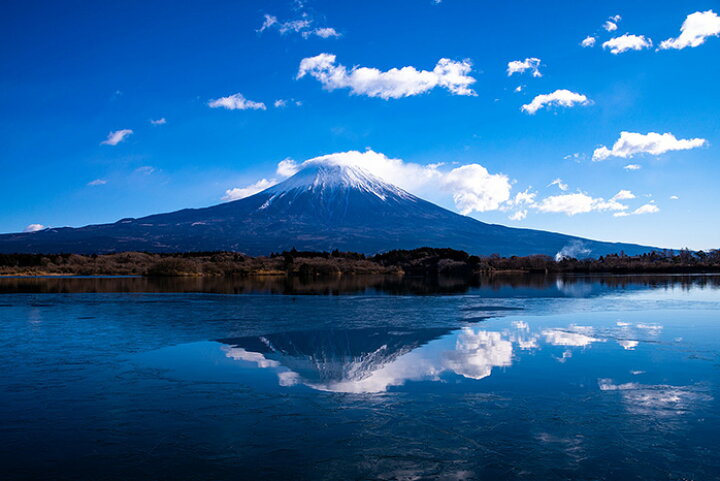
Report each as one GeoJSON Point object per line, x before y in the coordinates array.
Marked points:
{"type": "Point", "coordinates": [331, 175]}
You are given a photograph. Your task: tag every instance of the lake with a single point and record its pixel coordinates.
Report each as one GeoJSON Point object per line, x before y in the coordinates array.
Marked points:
{"type": "Point", "coordinates": [529, 377]}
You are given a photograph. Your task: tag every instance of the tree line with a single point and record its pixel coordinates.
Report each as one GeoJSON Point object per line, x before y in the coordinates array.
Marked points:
{"type": "Point", "coordinates": [422, 262]}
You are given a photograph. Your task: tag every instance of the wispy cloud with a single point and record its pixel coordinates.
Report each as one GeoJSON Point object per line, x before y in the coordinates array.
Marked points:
{"type": "Point", "coordinates": [391, 84]}
{"type": "Point", "coordinates": [649, 208]}
{"type": "Point", "coordinates": [236, 102]}
{"type": "Point", "coordinates": [116, 136]}
{"type": "Point", "coordinates": [324, 32]}
{"type": "Point", "coordinates": [145, 170]}
{"type": "Point", "coordinates": [160, 121]}
{"type": "Point", "coordinates": [303, 26]}
{"type": "Point", "coordinates": [562, 186]}
{"type": "Point", "coordinates": [631, 143]}
{"type": "Point", "coordinates": [520, 66]}
{"type": "Point", "coordinates": [561, 97]}
{"type": "Point", "coordinates": [97, 182]}
{"type": "Point", "coordinates": [282, 103]}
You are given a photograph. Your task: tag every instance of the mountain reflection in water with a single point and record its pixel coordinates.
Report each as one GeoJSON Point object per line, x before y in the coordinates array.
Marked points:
{"type": "Point", "coordinates": [374, 360]}
{"type": "Point", "coordinates": [513, 377]}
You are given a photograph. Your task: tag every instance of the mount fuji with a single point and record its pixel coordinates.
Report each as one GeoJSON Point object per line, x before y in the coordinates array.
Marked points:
{"type": "Point", "coordinates": [326, 205]}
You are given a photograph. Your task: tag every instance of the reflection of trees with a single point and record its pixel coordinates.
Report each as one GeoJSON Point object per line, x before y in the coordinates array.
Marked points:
{"type": "Point", "coordinates": [352, 284]}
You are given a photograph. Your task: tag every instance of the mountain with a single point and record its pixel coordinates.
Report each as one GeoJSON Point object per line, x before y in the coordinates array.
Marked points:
{"type": "Point", "coordinates": [333, 360]}
{"type": "Point", "coordinates": [327, 205]}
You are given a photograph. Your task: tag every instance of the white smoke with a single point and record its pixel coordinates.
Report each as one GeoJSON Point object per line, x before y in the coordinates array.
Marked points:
{"type": "Point", "coordinates": [574, 249]}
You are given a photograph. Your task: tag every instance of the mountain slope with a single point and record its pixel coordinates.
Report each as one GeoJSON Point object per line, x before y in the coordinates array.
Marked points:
{"type": "Point", "coordinates": [327, 205]}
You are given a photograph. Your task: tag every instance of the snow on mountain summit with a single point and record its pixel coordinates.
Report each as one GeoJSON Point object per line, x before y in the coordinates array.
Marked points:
{"type": "Point", "coordinates": [327, 175]}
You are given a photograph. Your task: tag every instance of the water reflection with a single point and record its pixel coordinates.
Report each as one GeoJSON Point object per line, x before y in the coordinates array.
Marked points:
{"type": "Point", "coordinates": [492, 286]}
{"type": "Point", "coordinates": [659, 399]}
{"type": "Point", "coordinates": [619, 384]}
{"type": "Point", "coordinates": [376, 360]}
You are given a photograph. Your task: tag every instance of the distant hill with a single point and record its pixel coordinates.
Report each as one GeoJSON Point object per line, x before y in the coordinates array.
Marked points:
{"type": "Point", "coordinates": [325, 206]}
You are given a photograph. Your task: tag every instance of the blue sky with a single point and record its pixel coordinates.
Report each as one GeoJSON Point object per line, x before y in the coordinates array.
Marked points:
{"type": "Point", "coordinates": [76, 72]}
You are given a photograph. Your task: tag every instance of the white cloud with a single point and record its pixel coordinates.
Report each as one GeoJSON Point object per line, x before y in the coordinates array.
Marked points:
{"type": "Point", "coordinates": [236, 102]}
{"type": "Point", "coordinates": [160, 121]}
{"type": "Point", "coordinates": [523, 198]}
{"type": "Point", "coordinates": [287, 167]}
{"type": "Point", "coordinates": [578, 203]}
{"type": "Point", "coordinates": [589, 41]}
{"type": "Point", "coordinates": [520, 202]}
{"type": "Point", "coordinates": [674, 197]}
{"type": "Point", "coordinates": [631, 143]}
{"type": "Point", "coordinates": [241, 193]}
{"type": "Point", "coordinates": [632, 167]}
{"type": "Point", "coordinates": [34, 228]}
{"type": "Point", "coordinates": [559, 183]}
{"type": "Point", "coordinates": [518, 88]}
{"type": "Point", "coordinates": [475, 189]}
{"type": "Point", "coordinates": [520, 66]}
{"type": "Point", "coordinates": [649, 208]}
{"type": "Point", "coordinates": [646, 209]}
{"type": "Point", "coordinates": [394, 83]}
{"type": "Point", "coordinates": [97, 182]}
{"type": "Point", "coordinates": [116, 136]}
{"type": "Point", "coordinates": [279, 103]}
{"type": "Point", "coordinates": [696, 28]}
{"type": "Point", "coordinates": [627, 42]}
{"type": "Point", "coordinates": [610, 26]}
{"type": "Point", "coordinates": [623, 195]}
{"type": "Point", "coordinates": [562, 97]}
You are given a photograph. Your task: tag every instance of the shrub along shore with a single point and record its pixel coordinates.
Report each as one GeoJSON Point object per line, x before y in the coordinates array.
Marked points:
{"type": "Point", "coordinates": [421, 262]}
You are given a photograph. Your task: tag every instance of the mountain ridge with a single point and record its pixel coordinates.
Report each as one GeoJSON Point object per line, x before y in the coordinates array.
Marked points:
{"type": "Point", "coordinates": [326, 205]}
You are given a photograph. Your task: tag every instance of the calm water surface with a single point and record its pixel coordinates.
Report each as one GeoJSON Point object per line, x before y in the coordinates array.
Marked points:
{"type": "Point", "coordinates": [598, 378]}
